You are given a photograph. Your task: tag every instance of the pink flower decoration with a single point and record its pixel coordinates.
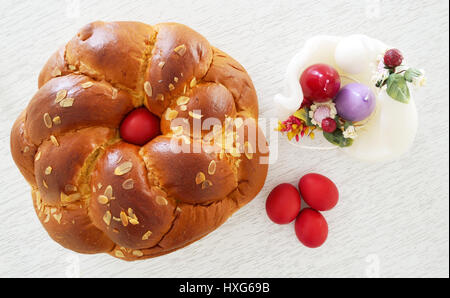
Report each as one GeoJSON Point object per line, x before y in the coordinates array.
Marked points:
{"type": "Point", "coordinates": [321, 113]}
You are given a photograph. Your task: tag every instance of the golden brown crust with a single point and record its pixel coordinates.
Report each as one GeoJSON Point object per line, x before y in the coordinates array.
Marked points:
{"type": "Point", "coordinates": [228, 72]}
{"type": "Point", "coordinates": [179, 173]}
{"type": "Point", "coordinates": [55, 67]}
{"type": "Point", "coordinates": [80, 107]}
{"type": "Point", "coordinates": [201, 220]}
{"type": "Point", "coordinates": [71, 226]}
{"type": "Point", "coordinates": [22, 150]}
{"type": "Point", "coordinates": [126, 212]}
{"type": "Point", "coordinates": [60, 165]}
{"type": "Point", "coordinates": [254, 167]}
{"type": "Point", "coordinates": [208, 100]}
{"type": "Point", "coordinates": [113, 51]}
{"type": "Point", "coordinates": [95, 193]}
{"type": "Point", "coordinates": [179, 55]}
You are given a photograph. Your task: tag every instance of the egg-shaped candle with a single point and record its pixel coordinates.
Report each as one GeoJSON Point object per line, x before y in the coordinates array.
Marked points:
{"type": "Point", "coordinates": [355, 102]}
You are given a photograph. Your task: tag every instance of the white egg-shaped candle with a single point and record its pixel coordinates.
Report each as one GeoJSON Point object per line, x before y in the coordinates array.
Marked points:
{"type": "Point", "coordinates": [355, 52]}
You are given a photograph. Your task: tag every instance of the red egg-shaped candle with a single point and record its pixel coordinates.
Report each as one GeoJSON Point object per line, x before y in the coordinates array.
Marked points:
{"type": "Point", "coordinates": [283, 204]}
{"type": "Point", "coordinates": [318, 191]}
{"type": "Point", "coordinates": [320, 83]}
{"type": "Point", "coordinates": [139, 127]}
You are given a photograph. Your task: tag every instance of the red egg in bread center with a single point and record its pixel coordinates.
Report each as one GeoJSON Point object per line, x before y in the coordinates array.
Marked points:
{"type": "Point", "coordinates": [139, 127]}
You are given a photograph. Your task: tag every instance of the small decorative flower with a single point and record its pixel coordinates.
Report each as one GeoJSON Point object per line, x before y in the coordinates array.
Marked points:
{"type": "Point", "coordinates": [350, 132]}
{"type": "Point", "coordinates": [320, 111]}
{"type": "Point", "coordinates": [296, 127]}
{"type": "Point", "coordinates": [421, 80]}
{"type": "Point", "coordinates": [393, 75]}
{"type": "Point", "coordinates": [393, 58]}
{"type": "Point", "coordinates": [380, 74]}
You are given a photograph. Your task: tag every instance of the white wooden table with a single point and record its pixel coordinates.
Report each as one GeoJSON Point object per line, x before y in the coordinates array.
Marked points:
{"type": "Point", "coordinates": [392, 219]}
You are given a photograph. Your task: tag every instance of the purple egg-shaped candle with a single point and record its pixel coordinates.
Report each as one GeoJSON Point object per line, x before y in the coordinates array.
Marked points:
{"type": "Point", "coordinates": [355, 102]}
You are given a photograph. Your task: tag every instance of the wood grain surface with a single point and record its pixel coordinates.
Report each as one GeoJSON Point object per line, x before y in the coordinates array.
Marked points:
{"type": "Point", "coordinates": [392, 219]}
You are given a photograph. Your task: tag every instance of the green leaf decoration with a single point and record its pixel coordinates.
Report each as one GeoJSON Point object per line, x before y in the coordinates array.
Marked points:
{"type": "Point", "coordinates": [337, 138]}
{"type": "Point", "coordinates": [380, 83]}
{"type": "Point", "coordinates": [302, 115]}
{"type": "Point", "coordinates": [347, 124]}
{"type": "Point", "coordinates": [308, 119]}
{"type": "Point", "coordinates": [412, 73]}
{"type": "Point", "coordinates": [397, 88]}
{"type": "Point", "coordinates": [338, 122]}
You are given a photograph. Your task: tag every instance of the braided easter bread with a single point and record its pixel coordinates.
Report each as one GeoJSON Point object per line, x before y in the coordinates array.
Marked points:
{"type": "Point", "coordinates": [95, 192]}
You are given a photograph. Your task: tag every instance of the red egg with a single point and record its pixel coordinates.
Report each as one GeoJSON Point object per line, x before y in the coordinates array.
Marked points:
{"type": "Point", "coordinates": [283, 204]}
{"type": "Point", "coordinates": [318, 191]}
{"type": "Point", "coordinates": [139, 127]}
{"type": "Point", "coordinates": [311, 228]}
